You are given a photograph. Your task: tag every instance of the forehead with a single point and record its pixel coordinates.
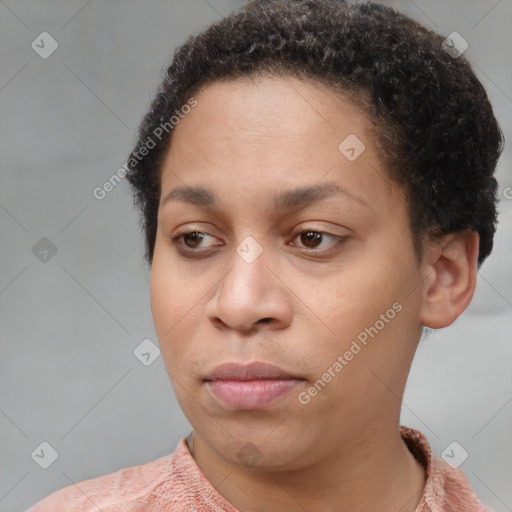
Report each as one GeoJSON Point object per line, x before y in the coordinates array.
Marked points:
{"type": "Point", "coordinates": [266, 105]}
{"type": "Point", "coordinates": [252, 137]}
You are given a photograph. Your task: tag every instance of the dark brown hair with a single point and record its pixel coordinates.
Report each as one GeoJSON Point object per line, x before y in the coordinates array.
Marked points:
{"type": "Point", "coordinates": [435, 127]}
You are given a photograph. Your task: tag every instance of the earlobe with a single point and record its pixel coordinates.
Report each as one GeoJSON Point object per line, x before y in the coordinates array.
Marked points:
{"type": "Point", "coordinates": [450, 278]}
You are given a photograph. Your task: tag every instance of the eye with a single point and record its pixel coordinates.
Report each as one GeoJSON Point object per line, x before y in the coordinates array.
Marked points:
{"type": "Point", "coordinates": [189, 242]}
{"type": "Point", "coordinates": [311, 238]}
{"type": "Point", "coordinates": [194, 237]}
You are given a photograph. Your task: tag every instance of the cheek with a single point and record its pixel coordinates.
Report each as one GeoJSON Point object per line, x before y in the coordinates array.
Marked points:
{"type": "Point", "coordinates": [369, 302]}
{"type": "Point", "coordinates": [176, 310]}
{"type": "Point", "coordinates": [168, 301]}
{"type": "Point", "coordinates": [161, 298]}
{"type": "Point", "coordinates": [359, 293]}
{"type": "Point", "coordinates": [170, 291]}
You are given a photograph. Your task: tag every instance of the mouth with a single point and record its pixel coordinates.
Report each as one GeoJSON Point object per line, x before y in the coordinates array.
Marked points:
{"type": "Point", "coordinates": [249, 386]}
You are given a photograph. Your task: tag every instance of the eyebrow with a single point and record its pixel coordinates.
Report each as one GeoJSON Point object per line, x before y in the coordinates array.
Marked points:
{"type": "Point", "coordinates": [287, 200]}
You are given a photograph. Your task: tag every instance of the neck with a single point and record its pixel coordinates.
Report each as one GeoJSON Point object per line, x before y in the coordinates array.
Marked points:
{"type": "Point", "coordinates": [376, 472]}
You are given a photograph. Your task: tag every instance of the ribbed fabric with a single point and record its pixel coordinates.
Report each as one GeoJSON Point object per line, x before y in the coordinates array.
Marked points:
{"type": "Point", "coordinates": [175, 483]}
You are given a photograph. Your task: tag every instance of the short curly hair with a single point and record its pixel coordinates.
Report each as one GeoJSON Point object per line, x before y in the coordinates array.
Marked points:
{"type": "Point", "coordinates": [434, 126]}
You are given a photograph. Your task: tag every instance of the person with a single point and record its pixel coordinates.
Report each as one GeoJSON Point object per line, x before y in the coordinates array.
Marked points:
{"type": "Point", "coordinates": [316, 186]}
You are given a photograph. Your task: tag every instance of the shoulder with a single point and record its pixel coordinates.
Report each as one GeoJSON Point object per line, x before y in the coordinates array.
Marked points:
{"type": "Point", "coordinates": [447, 487]}
{"type": "Point", "coordinates": [129, 488]}
{"type": "Point", "coordinates": [453, 484]}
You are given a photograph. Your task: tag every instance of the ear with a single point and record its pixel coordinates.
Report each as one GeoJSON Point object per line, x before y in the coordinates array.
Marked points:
{"type": "Point", "coordinates": [450, 268]}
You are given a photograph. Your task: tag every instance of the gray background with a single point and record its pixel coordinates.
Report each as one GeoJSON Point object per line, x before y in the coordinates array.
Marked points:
{"type": "Point", "coordinates": [69, 325]}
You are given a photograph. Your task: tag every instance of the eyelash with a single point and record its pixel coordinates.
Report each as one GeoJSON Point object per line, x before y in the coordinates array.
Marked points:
{"type": "Point", "coordinates": [175, 240]}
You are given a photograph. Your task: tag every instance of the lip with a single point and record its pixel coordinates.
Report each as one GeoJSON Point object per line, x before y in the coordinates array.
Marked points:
{"type": "Point", "coordinates": [251, 371]}
{"type": "Point", "coordinates": [249, 386]}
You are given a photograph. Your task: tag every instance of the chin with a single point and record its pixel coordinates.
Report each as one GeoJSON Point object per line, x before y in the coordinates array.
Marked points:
{"type": "Point", "coordinates": [263, 449]}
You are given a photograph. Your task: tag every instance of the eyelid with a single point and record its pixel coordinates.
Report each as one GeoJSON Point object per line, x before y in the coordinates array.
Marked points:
{"type": "Point", "coordinates": [338, 239]}
{"type": "Point", "coordinates": [175, 239]}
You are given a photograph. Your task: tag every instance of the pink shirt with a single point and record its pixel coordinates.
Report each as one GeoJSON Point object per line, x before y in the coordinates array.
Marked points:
{"type": "Point", "coordinates": [175, 483]}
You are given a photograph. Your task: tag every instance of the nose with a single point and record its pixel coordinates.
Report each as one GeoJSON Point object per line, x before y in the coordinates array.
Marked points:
{"type": "Point", "coordinates": [250, 296]}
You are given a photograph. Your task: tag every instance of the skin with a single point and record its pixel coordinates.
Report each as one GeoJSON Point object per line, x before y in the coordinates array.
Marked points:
{"type": "Point", "coordinates": [247, 141]}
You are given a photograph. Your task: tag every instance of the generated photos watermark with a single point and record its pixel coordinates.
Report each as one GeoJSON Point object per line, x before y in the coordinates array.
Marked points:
{"type": "Point", "coordinates": [341, 361]}
{"type": "Point", "coordinates": [101, 192]}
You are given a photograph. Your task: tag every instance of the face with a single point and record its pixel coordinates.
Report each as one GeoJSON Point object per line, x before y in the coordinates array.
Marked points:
{"type": "Point", "coordinates": [294, 263]}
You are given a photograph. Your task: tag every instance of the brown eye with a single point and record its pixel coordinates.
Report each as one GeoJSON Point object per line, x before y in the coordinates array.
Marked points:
{"type": "Point", "coordinates": [189, 239]}
{"type": "Point", "coordinates": [311, 239]}
{"type": "Point", "coordinates": [193, 238]}
{"type": "Point", "coordinates": [190, 243]}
